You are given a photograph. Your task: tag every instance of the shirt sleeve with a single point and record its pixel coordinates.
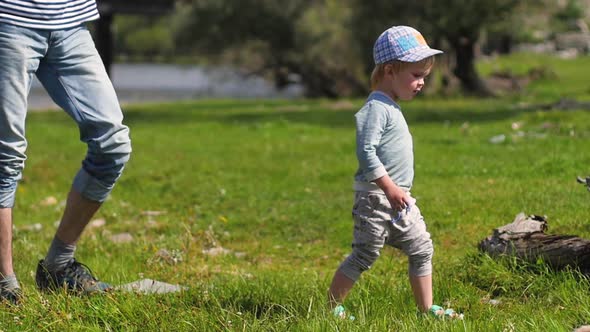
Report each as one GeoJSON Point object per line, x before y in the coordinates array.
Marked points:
{"type": "Point", "coordinates": [371, 122]}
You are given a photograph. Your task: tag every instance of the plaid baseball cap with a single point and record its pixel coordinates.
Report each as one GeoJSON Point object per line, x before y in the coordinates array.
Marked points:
{"type": "Point", "coordinates": [401, 43]}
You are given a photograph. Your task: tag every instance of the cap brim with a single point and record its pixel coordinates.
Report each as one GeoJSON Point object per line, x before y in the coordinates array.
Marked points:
{"type": "Point", "coordinates": [419, 55]}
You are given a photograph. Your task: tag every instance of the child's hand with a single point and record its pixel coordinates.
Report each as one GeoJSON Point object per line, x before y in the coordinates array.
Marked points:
{"type": "Point", "coordinates": [398, 198]}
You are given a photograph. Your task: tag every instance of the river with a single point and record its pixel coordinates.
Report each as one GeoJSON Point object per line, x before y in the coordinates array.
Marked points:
{"type": "Point", "coordinates": [146, 83]}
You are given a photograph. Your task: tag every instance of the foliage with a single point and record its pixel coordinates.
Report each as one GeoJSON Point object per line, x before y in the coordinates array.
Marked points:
{"type": "Point", "coordinates": [571, 11]}
{"type": "Point", "coordinates": [143, 37]}
{"type": "Point", "coordinates": [459, 23]}
{"type": "Point", "coordinates": [306, 38]}
{"type": "Point", "coordinates": [326, 45]}
{"type": "Point", "coordinates": [565, 18]}
{"type": "Point", "coordinates": [286, 39]}
{"type": "Point", "coordinates": [217, 24]}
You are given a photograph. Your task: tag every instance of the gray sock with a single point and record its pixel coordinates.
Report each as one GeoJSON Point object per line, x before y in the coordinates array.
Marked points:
{"type": "Point", "coordinates": [59, 255]}
{"type": "Point", "coordinates": [9, 282]}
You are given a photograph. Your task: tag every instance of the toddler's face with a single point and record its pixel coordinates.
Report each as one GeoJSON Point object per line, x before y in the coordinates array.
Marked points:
{"type": "Point", "coordinates": [408, 82]}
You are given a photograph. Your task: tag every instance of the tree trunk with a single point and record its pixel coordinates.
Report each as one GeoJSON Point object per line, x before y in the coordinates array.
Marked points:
{"type": "Point", "coordinates": [464, 70]}
{"type": "Point", "coordinates": [105, 39]}
{"type": "Point", "coordinates": [525, 239]}
{"type": "Point", "coordinates": [320, 80]}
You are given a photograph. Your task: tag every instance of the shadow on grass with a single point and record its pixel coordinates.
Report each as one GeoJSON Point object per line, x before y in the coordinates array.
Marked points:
{"type": "Point", "coordinates": [511, 276]}
{"type": "Point", "coordinates": [257, 303]}
{"type": "Point", "coordinates": [251, 113]}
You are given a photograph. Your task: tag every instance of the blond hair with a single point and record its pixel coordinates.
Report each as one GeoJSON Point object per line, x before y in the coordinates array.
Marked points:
{"type": "Point", "coordinates": [398, 66]}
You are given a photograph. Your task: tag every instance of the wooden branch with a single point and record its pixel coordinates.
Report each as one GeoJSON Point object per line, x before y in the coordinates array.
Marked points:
{"type": "Point", "coordinates": [525, 238]}
{"type": "Point", "coordinates": [585, 181]}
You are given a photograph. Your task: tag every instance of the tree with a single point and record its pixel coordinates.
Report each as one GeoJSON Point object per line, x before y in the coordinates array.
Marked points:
{"type": "Point", "coordinates": [274, 37]}
{"type": "Point", "coordinates": [456, 22]}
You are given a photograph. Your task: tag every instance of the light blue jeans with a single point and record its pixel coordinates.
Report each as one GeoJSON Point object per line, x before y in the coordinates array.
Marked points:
{"type": "Point", "coordinates": [69, 67]}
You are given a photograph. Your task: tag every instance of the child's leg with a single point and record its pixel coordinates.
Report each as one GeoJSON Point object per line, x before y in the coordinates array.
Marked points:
{"type": "Point", "coordinates": [339, 288]}
{"type": "Point", "coordinates": [422, 289]}
{"type": "Point", "coordinates": [370, 229]}
{"type": "Point", "coordinates": [410, 235]}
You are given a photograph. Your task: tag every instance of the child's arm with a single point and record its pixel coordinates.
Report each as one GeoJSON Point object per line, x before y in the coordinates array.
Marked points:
{"type": "Point", "coordinates": [371, 121]}
{"type": "Point", "coordinates": [370, 124]}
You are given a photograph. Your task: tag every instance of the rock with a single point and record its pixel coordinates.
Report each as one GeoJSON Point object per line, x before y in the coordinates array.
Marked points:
{"type": "Point", "coordinates": [578, 41]}
{"type": "Point", "coordinates": [494, 302]}
{"type": "Point", "coordinates": [171, 258]}
{"type": "Point", "coordinates": [121, 238]}
{"type": "Point", "coordinates": [149, 286]}
{"type": "Point", "coordinates": [48, 201]}
{"type": "Point", "coordinates": [153, 213]}
{"type": "Point", "coordinates": [498, 139]}
{"type": "Point", "coordinates": [96, 223]}
{"type": "Point", "coordinates": [216, 251]}
{"type": "Point", "coordinates": [33, 227]}
{"type": "Point", "coordinates": [240, 254]}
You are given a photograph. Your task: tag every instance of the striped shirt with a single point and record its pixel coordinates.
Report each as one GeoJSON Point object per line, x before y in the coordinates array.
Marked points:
{"type": "Point", "coordinates": [48, 14]}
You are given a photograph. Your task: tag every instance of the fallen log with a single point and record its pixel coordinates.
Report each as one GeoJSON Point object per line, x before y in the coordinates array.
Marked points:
{"type": "Point", "coordinates": [585, 181]}
{"type": "Point", "coordinates": [525, 238]}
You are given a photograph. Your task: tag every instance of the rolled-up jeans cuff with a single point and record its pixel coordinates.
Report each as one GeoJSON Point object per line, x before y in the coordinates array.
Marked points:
{"type": "Point", "coordinates": [90, 187]}
{"type": "Point", "coordinates": [7, 198]}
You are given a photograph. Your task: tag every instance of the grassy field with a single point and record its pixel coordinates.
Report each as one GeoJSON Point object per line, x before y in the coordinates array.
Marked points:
{"type": "Point", "coordinates": [270, 182]}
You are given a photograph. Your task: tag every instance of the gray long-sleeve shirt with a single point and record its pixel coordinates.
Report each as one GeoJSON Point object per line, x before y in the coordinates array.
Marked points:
{"type": "Point", "coordinates": [383, 144]}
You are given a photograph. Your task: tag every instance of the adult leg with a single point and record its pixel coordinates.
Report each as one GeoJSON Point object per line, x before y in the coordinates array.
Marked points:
{"type": "Point", "coordinates": [6, 268]}
{"type": "Point", "coordinates": [78, 212]}
{"type": "Point", "coordinates": [75, 78]}
{"type": "Point", "coordinates": [20, 51]}
{"type": "Point", "coordinates": [9, 286]}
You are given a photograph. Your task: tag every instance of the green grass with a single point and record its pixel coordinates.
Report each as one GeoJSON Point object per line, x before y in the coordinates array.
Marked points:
{"type": "Point", "coordinates": [271, 181]}
{"type": "Point", "coordinates": [563, 78]}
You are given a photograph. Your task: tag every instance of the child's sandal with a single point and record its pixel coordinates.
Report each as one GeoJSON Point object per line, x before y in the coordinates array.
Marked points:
{"type": "Point", "coordinates": [340, 312]}
{"type": "Point", "coordinates": [452, 314]}
{"type": "Point", "coordinates": [438, 312]}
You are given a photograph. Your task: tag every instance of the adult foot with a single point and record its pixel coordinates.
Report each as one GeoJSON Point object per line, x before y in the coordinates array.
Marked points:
{"type": "Point", "coordinates": [12, 296]}
{"type": "Point", "coordinates": [75, 277]}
